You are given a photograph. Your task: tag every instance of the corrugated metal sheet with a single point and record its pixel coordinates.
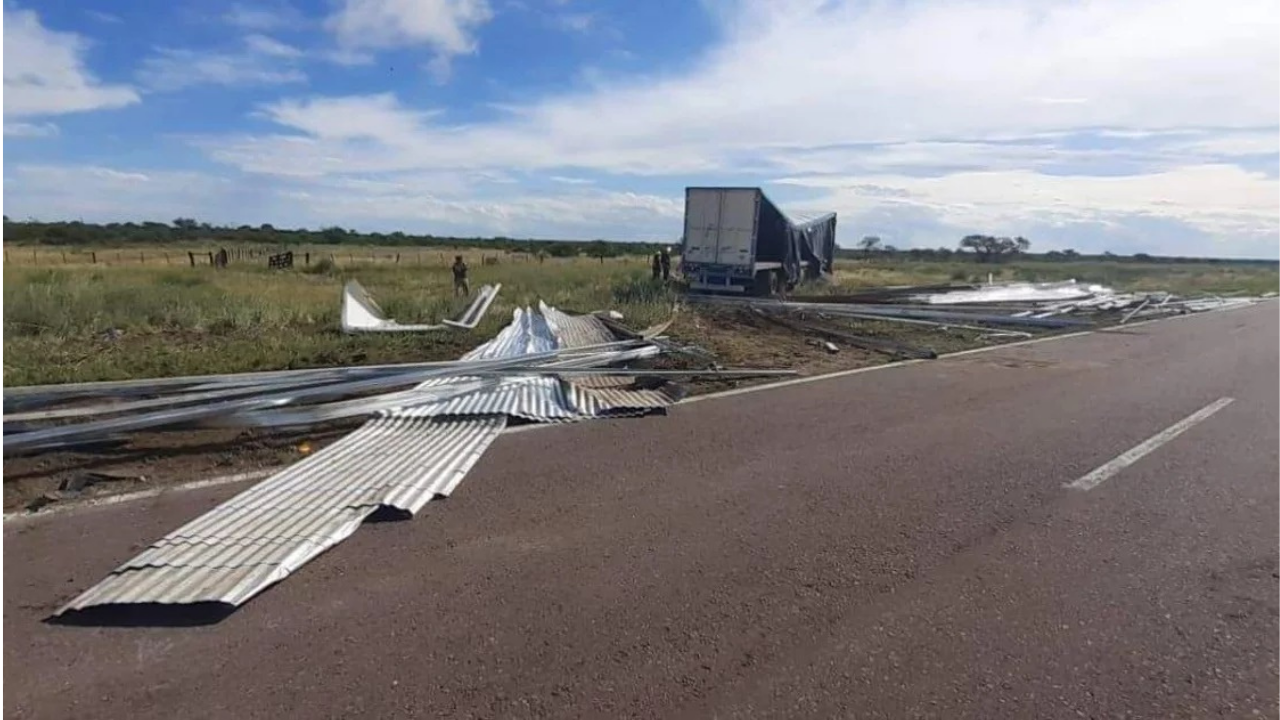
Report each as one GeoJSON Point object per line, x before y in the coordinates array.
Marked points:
{"type": "Point", "coordinates": [574, 331]}
{"type": "Point", "coordinates": [261, 535]}
{"type": "Point", "coordinates": [401, 460]}
{"type": "Point", "coordinates": [531, 398]}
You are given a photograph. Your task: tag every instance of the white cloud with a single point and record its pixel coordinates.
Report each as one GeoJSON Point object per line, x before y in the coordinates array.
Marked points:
{"type": "Point", "coordinates": [879, 73]}
{"type": "Point", "coordinates": [1221, 200]}
{"type": "Point", "coordinates": [30, 130]}
{"type": "Point", "coordinates": [263, 45]}
{"type": "Point", "coordinates": [437, 202]}
{"type": "Point", "coordinates": [262, 17]}
{"type": "Point", "coordinates": [44, 72]}
{"type": "Point", "coordinates": [103, 194]}
{"type": "Point", "coordinates": [262, 61]}
{"type": "Point", "coordinates": [447, 27]}
{"type": "Point", "coordinates": [1233, 145]}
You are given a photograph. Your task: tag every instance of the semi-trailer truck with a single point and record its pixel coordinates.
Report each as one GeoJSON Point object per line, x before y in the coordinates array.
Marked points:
{"type": "Point", "coordinates": [737, 240]}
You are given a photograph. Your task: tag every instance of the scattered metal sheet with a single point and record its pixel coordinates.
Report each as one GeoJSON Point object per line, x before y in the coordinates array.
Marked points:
{"type": "Point", "coordinates": [471, 317]}
{"type": "Point", "coordinates": [1013, 292]}
{"type": "Point", "coordinates": [260, 536]}
{"type": "Point", "coordinates": [400, 460]}
{"type": "Point", "coordinates": [572, 331]}
{"type": "Point", "coordinates": [360, 312]}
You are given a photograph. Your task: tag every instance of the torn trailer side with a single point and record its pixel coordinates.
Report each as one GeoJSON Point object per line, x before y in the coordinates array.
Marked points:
{"type": "Point", "coordinates": [736, 240]}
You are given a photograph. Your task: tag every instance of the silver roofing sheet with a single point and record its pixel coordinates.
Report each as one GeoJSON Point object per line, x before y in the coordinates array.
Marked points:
{"type": "Point", "coordinates": [573, 331]}
{"type": "Point", "coordinates": [258, 537]}
{"type": "Point", "coordinates": [527, 334]}
{"type": "Point", "coordinates": [538, 398]}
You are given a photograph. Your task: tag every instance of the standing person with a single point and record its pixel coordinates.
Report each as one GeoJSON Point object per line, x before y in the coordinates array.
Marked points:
{"type": "Point", "coordinates": [657, 266]}
{"type": "Point", "coordinates": [460, 276]}
{"type": "Point", "coordinates": [666, 264]}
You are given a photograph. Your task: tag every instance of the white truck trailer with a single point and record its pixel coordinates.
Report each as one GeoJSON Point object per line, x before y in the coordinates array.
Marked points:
{"type": "Point", "coordinates": [737, 240]}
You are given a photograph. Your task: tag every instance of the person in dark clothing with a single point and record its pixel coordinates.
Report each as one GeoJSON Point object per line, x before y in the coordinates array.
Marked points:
{"type": "Point", "coordinates": [666, 264]}
{"type": "Point", "coordinates": [657, 266]}
{"type": "Point", "coordinates": [460, 277]}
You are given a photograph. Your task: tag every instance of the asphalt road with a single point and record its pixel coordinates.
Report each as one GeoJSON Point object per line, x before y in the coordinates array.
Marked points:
{"type": "Point", "coordinates": [896, 543]}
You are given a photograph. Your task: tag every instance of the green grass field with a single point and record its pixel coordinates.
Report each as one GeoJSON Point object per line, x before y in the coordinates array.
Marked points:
{"type": "Point", "coordinates": [172, 319]}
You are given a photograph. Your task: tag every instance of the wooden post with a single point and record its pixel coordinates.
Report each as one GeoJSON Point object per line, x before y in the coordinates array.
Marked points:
{"type": "Point", "coordinates": [34, 260]}
{"type": "Point", "coordinates": [166, 259]}
{"type": "Point", "coordinates": [93, 256]}
{"type": "Point", "coordinates": [142, 258]}
{"type": "Point", "coordinates": [192, 257]}
{"type": "Point", "coordinates": [64, 257]}
{"type": "Point", "coordinates": [211, 259]}
{"type": "Point", "coordinates": [306, 258]}
{"type": "Point", "coordinates": [397, 258]}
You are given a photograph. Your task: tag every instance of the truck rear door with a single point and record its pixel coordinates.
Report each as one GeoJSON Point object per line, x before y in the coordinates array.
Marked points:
{"type": "Point", "coordinates": [720, 225]}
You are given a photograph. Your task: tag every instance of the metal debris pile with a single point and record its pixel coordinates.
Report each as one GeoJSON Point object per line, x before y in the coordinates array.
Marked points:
{"type": "Point", "coordinates": [431, 422]}
{"type": "Point", "coordinates": [993, 311]}
{"type": "Point", "coordinates": [534, 369]}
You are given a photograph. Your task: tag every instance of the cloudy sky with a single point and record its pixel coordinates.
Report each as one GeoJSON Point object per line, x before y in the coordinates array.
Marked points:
{"type": "Point", "coordinates": [1129, 126]}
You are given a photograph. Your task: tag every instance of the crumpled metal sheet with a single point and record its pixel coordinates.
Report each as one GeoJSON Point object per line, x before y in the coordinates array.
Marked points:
{"type": "Point", "coordinates": [401, 460]}
{"type": "Point", "coordinates": [575, 331]}
{"type": "Point", "coordinates": [260, 536]}
{"type": "Point", "coordinates": [1015, 292]}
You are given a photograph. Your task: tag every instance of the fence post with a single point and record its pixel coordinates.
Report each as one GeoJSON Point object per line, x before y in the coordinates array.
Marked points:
{"type": "Point", "coordinates": [64, 257]}
{"type": "Point", "coordinates": [166, 259]}
{"type": "Point", "coordinates": [306, 258]}
{"type": "Point", "coordinates": [192, 257]}
{"type": "Point", "coordinates": [93, 256]}
{"type": "Point", "coordinates": [397, 258]}
{"type": "Point", "coordinates": [211, 258]}
{"type": "Point", "coordinates": [34, 260]}
{"type": "Point", "coordinates": [142, 258]}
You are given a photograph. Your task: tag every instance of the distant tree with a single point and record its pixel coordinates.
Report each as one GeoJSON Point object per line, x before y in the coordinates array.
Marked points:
{"type": "Point", "coordinates": [185, 224]}
{"type": "Point", "coordinates": [989, 248]}
{"type": "Point", "coordinates": [890, 249]}
{"type": "Point", "coordinates": [869, 243]}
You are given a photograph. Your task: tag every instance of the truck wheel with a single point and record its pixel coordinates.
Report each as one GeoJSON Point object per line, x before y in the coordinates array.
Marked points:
{"type": "Point", "coordinates": [763, 284]}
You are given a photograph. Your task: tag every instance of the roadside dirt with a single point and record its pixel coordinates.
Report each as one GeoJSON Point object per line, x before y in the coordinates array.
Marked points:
{"type": "Point", "coordinates": [736, 338]}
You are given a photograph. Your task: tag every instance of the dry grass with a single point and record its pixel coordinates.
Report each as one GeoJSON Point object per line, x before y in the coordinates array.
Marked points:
{"type": "Point", "coordinates": [132, 314]}
{"type": "Point", "coordinates": [89, 322]}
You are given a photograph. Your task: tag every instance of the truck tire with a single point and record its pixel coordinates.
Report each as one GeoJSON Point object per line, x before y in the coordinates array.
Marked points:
{"type": "Point", "coordinates": [763, 284]}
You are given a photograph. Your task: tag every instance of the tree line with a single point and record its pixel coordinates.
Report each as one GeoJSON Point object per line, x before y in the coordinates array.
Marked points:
{"type": "Point", "coordinates": [978, 248]}
{"type": "Point", "coordinates": [188, 230]}
{"type": "Point", "coordinates": [993, 249]}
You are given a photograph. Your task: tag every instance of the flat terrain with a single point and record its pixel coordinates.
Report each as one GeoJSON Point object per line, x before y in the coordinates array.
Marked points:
{"type": "Point", "coordinates": [889, 544]}
{"type": "Point", "coordinates": [82, 315]}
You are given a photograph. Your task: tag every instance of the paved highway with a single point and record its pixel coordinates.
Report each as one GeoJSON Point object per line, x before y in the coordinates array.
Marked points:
{"type": "Point", "coordinates": [897, 543]}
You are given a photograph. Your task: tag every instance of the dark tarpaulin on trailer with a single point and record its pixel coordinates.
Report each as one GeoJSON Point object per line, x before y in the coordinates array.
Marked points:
{"type": "Point", "coordinates": [798, 240]}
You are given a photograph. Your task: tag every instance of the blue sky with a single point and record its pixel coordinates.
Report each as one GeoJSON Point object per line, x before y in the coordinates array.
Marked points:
{"type": "Point", "coordinates": [1136, 126]}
